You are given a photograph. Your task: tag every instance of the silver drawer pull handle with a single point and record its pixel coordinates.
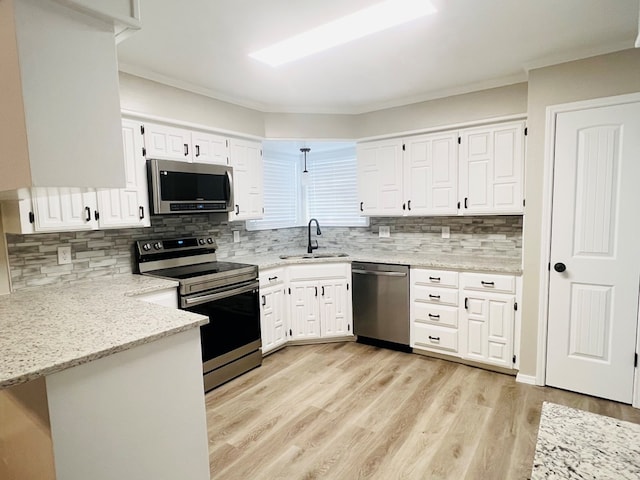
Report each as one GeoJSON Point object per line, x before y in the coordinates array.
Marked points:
{"type": "Point", "coordinates": [434, 339]}
{"type": "Point", "coordinates": [437, 297]}
{"type": "Point", "coordinates": [434, 316]}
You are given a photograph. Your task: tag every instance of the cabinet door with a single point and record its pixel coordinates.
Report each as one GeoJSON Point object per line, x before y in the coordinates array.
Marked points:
{"type": "Point", "coordinates": [431, 174]}
{"type": "Point", "coordinates": [272, 317]}
{"type": "Point", "coordinates": [491, 169]}
{"type": "Point", "coordinates": [488, 328]}
{"type": "Point", "coordinates": [128, 206]}
{"type": "Point", "coordinates": [335, 311]}
{"type": "Point", "coordinates": [61, 208]}
{"type": "Point", "coordinates": [304, 312]}
{"type": "Point", "coordinates": [168, 143]}
{"type": "Point", "coordinates": [246, 159]}
{"type": "Point", "coordinates": [380, 177]}
{"type": "Point", "coordinates": [208, 148]}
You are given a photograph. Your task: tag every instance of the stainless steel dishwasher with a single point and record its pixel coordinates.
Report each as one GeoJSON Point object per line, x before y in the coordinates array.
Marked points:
{"type": "Point", "coordinates": [381, 304]}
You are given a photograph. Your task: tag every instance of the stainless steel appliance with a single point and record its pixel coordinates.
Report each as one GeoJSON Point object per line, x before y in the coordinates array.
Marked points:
{"type": "Point", "coordinates": [225, 292]}
{"type": "Point", "coordinates": [381, 304]}
{"type": "Point", "coordinates": [182, 187]}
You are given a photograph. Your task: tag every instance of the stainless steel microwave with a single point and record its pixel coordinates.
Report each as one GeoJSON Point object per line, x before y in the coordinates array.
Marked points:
{"type": "Point", "coordinates": [181, 187]}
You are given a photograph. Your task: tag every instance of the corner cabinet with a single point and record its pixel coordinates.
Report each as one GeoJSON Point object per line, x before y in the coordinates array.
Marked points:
{"type": "Point", "coordinates": [468, 172]}
{"type": "Point", "coordinates": [305, 303]}
{"type": "Point", "coordinates": [246, 160]}
{"type": "Point", "coordinates": [320, 303]}
{"type": "Point", "coordinates": [466, 315]}
{"type": "Point", "coordinates": [380, 177]}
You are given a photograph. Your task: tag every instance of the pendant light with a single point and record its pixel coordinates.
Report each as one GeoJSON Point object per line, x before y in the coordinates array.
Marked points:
{"type": "Point", "coordinates": [305, 172]}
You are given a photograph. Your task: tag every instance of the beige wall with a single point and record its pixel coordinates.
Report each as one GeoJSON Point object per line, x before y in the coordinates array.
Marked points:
{"type": "Point", "coordinates": [288, 126]}
{"type": "Point", "coordinates": [469, 107]}
{"type": "Point", "coordinates": [602, 76]}
{"type": "Point", "coordinates": [152, 98]}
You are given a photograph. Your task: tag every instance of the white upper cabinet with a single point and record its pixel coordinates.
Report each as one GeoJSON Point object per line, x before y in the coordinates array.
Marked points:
{"type": "Point", "coordinates": [128, 206]}
{"type": "Point", "coordinates": [380, 177]}
{"type": "Point", "coordinates": [491, 169]}
{"type": "Point", "coordinates": [209, 148]}
{"type": "Point", "coordinates": [167, 143]}
{"type": "Point", "coordinates": [56, 209]}
{"type": "Point", "coordinates": [60, 98]}
{"type": "Point", "coordinates": [246, 160]}
{"type": "Point", "coordinates": [62, 208]}
{"type": "Point", "coordinates": [476, 171]}
{"type": "Point", "coordinates": [431, 174]}
{"type": "Point", "coordinates": [174, 143]}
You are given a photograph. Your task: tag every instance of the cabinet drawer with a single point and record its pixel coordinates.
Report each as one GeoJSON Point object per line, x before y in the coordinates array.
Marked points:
{"type": "Point", "coordinates": [488, 282]}
{"type": "Point", "coordinates": [272, 276]}
{"type": "Point", "coordinates": [437, 296]}
{"type": "Point", "coordinates": [435, 338]}
{"type": "Point", "coordinates": [435, 314]}
{"type": "Point", "coordinates": [442, 278]}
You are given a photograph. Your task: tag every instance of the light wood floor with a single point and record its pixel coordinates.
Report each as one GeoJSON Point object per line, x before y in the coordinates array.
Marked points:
{"type": "Point", "coordinates": [349, 411]}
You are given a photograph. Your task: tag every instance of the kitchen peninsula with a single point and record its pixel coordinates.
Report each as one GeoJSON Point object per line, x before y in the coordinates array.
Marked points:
{"type": "Point", "coordinates": [110, 386]}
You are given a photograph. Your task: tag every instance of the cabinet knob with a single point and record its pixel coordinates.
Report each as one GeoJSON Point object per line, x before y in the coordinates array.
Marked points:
{"type": "Point", "coordinates": [559, 267]}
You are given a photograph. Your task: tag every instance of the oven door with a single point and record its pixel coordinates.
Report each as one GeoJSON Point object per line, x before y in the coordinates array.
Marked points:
{"type": "Point", "coordinates": [233, 330]}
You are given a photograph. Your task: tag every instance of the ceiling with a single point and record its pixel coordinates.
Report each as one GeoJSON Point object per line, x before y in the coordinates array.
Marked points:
{"type": "Point", "coordinates": [203, 46]}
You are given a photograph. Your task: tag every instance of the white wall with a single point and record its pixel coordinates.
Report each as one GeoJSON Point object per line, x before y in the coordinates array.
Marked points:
{"type": "Point", "coordinates": [602, 76]}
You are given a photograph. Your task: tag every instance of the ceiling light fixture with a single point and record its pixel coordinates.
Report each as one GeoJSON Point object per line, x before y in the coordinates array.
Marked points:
{"type": "Point", "coordinates": [376, 18]}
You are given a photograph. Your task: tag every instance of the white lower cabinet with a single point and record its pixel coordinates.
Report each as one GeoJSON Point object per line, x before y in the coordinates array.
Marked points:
{"type": "Point", "coordinates": [468, 315]}
{"type": "Point", "coordinates": [305, 302]}
{"type": "Point", "coordinates": [320, 302]}
{"type": "Point", "coordinates": [273, 311]}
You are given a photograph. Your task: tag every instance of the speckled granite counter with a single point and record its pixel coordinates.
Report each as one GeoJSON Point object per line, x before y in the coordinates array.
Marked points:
{"type": "Point", "coordinates": [48, 329]}
{"type": "Point", "coordinates": [573, 444]}
{"type": "Point", "coordinates": [506, 265]}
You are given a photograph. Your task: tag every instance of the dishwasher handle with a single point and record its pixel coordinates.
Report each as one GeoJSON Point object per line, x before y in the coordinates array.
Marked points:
{"type": "Point", "coordinates": [379, 273]}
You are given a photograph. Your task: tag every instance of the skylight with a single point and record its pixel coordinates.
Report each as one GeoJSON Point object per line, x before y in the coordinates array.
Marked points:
{"type": "Point", "coordinates": [376, 18]}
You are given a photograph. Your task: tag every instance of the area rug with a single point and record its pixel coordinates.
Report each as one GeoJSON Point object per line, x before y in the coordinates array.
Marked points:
{"type": "Point", "coordinates": [574, 444]}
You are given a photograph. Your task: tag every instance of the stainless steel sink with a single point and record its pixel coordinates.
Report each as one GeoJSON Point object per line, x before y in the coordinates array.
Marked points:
{"type": "Point", "coordinates": [314, 255]}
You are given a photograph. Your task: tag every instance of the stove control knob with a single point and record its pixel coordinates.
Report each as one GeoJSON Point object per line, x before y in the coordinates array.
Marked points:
{"type": "Point", "coordinates": [209, 240]}
{"type": "Point", "coordinates": [157, 245]}
{"type": "Point", "coordinates": [146, 247]}
{"type": "Point", "coordinates": [201, 241]}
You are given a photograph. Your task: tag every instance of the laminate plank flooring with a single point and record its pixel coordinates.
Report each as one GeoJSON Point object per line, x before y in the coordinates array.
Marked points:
{"type": "Point", "coordinates": [349, 411]}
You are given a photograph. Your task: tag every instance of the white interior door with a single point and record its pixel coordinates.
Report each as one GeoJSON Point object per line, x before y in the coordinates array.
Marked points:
{"type": "Point", "coordinates": [593, 303]}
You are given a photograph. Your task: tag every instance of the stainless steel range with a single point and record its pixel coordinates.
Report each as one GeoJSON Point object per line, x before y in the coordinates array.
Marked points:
{"type": "Point", "coordinates": [225, 292]}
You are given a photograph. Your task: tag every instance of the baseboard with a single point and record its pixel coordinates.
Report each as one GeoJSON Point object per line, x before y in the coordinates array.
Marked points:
{"type": "Point", "coordinates": [528, 379]}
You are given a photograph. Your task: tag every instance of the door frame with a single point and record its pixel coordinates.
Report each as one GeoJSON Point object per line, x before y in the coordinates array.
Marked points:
{"type": "Point", "coordinates": [552, 112]}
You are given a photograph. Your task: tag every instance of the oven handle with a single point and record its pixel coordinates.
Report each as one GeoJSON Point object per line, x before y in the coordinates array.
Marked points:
{"type": "Point", "coordinates": [212, 297]}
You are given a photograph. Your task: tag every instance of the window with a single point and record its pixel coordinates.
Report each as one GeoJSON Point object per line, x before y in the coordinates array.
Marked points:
{"type": "Point", "coordinates": [328, 192]}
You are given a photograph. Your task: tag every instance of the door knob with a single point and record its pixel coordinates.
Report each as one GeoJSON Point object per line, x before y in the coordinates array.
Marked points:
{"type": "Point", "coordinates": [559, 267]}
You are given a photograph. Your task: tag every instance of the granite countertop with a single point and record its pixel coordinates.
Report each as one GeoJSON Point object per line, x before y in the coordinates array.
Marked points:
{"type": "Point", "coordinates": [45, 330]}
{"type": "Point", "coordinates": [574, 444]}
{"type": "Point", "coordinates": [505, 265]}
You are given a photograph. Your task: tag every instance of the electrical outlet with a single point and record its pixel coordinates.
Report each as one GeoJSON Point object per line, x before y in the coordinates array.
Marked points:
{"type": "Point", "coordinates": [64, 255]}
{"type": "Point", "coordinates": [236, 236]}
{"type": "Point", "coordinates": [446, 232]}
{"type": "Point", "coordinates": [384, 232]}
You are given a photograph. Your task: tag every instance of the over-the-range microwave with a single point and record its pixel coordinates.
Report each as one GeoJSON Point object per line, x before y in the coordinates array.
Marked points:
{"type": "Point", "coordinates": [182, 187]}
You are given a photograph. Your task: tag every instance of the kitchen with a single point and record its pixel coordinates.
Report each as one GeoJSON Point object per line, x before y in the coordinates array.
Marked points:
{"type": "Point", "coordinates": [108, 251]}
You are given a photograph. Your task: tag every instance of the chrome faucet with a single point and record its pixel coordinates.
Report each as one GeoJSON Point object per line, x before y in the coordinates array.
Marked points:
{"type": "Point", "coordinates": [310, 246]}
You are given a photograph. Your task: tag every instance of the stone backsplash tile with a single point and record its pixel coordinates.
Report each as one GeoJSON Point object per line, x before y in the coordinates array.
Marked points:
{"type": "Point", "coordinates": [33, 258]}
